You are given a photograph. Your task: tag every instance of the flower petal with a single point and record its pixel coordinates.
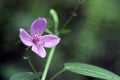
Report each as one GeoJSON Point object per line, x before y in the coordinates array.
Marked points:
{"type": "Point", "coordinates": [38, 26]}
{"type": "Point", "coordinates": [39, 50]}
{"type": "Point", "coordinates": [50, 40]}
{"type": "Point", "coordinates": [25, 37]}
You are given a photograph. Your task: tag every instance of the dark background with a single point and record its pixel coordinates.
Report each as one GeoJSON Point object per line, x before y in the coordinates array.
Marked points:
{"type": "Point", "coordinates": [94, 35]}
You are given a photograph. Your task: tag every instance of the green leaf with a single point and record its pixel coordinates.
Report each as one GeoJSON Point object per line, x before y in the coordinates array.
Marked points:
{"type": "Point", "coordinates": [25, 76]}
{"type": "Point", "coordinates": [34, 76]}
{"type": "Point", "coordinates": [90, 70]}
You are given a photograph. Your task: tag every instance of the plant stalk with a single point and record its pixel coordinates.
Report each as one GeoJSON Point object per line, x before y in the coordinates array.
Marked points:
{"type": "Point", "coordinates": [48, 63]}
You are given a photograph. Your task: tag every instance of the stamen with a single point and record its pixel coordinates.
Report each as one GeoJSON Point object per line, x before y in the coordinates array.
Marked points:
{"type": "Point", "coordinates": [36, 38]}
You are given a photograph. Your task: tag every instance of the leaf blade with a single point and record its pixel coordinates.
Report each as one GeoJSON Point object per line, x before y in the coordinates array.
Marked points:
{"type": "Point", "coordinates": [90, 70]}
{"type": "Point", "coordinates": [21, 76]}
{"type": "Point", "coordinates": [25, 76]}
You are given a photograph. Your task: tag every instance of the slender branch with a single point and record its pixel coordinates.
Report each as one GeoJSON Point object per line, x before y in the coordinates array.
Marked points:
{"type": "Point", "coordinates": [48, 63]}
{"type": "Point", "coordinates": [29, 62]}
{"type": "Point", "coordinates": [73, 14]}
{"type": "Point", "coordinates": [57, 74]}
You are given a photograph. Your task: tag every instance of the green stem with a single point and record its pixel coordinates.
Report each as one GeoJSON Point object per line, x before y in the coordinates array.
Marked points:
{"type": "Point", "coordinates": [57, 74]}
{"type": "Point", "coordinates": [30, 63]}
{"type": "Point", "coordinates": [56, 20]}
{"type": "Point", "coordinates": [48, 63]}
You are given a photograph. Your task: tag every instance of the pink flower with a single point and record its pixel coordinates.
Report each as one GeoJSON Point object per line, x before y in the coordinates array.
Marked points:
{"type": "Point", "coordinates": [36, 39]}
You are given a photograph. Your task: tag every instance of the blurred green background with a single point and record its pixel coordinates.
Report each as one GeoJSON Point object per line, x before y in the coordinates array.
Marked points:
{"type": "Point", "coordinates": [93, 37]}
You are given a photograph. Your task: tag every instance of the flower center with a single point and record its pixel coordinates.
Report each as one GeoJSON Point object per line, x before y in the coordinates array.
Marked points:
{"type": "Point", "coordinates": [36, 38]}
